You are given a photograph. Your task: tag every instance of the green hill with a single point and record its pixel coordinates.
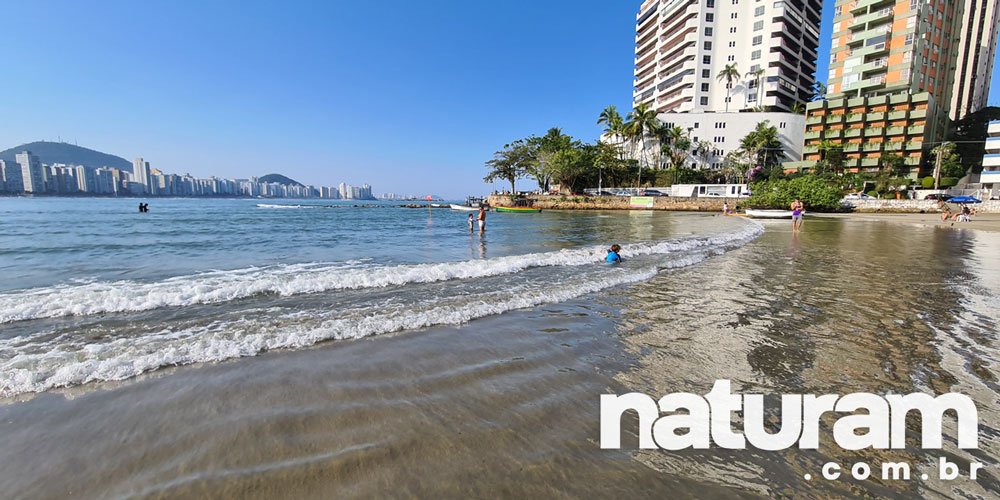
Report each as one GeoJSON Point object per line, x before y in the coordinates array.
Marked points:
{"type": "Point", "coordinates": [280, 179]}
{"type": "Point", "coordinates": [61, 152]}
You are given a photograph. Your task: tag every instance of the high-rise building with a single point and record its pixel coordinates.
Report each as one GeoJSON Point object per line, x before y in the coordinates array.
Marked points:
{"type": "Point", "coordinates": [990, 176]}
{"type": "Point", "coordinates": [683, 45]}
{"type": "Point", "coordinates": [894, 81]}
{"type": "Point", "coordinates": [33, 174]}
{"type": "Point", "coordinates": [140, 172]}
{"type": "Point", "coordinates": [977, 47]}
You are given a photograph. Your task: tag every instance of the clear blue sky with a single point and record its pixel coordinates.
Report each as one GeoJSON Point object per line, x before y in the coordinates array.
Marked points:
{"type": "Point", "coordinates": [411, 97]}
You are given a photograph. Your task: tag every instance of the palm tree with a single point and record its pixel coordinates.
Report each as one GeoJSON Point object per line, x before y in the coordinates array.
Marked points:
{"type": "Point", "coordinates": [703, 149]}
{"type": "Point", "coordinates": [729, 74]}
{"type": "Point", "coordinates": [640, 122]}
{"type": "Point", "coordinates": [613, 124]}
{"type": "Point", "coordinates": [819, 91]}
{"type": "Point", "coordinates": [799, 108]}
{"type": "Point", "coordinates": [757, 76]}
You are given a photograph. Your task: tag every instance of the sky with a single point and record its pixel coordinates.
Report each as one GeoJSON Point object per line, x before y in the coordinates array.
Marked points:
{"type": "Point", "coordinates": [410, 97]}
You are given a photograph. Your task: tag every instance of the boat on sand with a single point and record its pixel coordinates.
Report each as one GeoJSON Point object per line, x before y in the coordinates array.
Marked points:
{"type": "Point", "coordinates": [769, 214]}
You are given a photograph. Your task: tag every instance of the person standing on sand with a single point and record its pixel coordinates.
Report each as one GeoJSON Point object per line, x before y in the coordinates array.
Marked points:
{"type": "Point", "coordinates": [482, 219]}
{"type": "Point", "coordinates": [725, 208]}
{"type": "Point", "coordinates": [798, 209]}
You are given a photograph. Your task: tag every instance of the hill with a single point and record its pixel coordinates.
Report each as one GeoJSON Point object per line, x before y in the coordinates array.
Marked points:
{"type": "Point", "coordinates": [280, 179]}
{"type": "Point", "coordinates": [61, 152]}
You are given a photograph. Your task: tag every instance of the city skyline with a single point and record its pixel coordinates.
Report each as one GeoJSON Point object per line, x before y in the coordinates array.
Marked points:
{"type": "Point", "coordinates": [279, 84]}
{"type": "Point", "coordinates": [27, 175]}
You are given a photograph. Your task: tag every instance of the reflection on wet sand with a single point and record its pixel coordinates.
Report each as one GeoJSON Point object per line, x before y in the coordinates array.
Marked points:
{"type": "Point", "coordinates": [840, 308]}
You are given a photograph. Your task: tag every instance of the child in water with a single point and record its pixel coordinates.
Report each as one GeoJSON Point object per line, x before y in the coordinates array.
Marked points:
{"type": "Point", "coordinates": [613, 256]}
{"type": "Point", "coordinates": [471, 220]}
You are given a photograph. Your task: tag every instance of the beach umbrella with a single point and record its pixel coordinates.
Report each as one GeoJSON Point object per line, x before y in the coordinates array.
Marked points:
{"type": "Point", "coordinates": [965, 199]}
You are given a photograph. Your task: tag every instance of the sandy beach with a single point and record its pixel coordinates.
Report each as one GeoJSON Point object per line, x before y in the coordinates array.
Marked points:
{"type": "Point", "coordinates": [982, 222]}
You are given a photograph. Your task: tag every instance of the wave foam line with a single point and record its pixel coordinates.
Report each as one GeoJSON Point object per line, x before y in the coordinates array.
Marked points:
{"type": "Point", "coordinates": [125, 358]}
{"type": "Point", "coordinates": [287, 280]}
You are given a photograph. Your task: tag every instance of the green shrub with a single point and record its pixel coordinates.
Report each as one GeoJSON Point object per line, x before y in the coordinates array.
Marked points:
{"type": "Point", "coordinates": [927, 182]}
{"type": "Point", "coordinates": [816, 192]}
{"type": "Point", "coordinates": [873, 193]}
{"type": "Point", "coordinates": [947, 182]}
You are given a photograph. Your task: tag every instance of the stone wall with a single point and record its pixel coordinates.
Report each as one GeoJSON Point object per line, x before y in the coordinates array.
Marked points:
{"type": "Point", "coordinates": [915, 206]}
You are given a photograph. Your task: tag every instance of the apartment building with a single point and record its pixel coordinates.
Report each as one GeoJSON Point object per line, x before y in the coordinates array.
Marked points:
{"type": "Point", "coordinates": [990, 177]}
{"type": "Point", "coordinates": [682, 46]}
{"type": "Point", "coordinates": [892, 82]}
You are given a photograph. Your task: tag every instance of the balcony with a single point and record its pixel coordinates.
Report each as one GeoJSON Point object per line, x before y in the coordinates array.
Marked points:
{"type": "Point", "coordinates": [862, 5]}
{"type": "Point", "coordinates": [852, 147]}
{"type": "Point", "coordinates": [851, 162]}
{"type": "Point", "coordinates": [869, 162]}
{"type": "Point", "coordinates": [894, 130]}
{"type": "Point", "coordinates": [915, 130]}
{"type": "Point", "coordinates": [832, 134]}
{"type": "Point", "coordinates": [993, 144]}
{"type": "Point", "coordinates": [869, 147]}
{"type": "Point", "coordinates": [897, 115]}
{"type": "Point", "coordinates": [876, 65]}
{"type": "Point", "coordinates": [811, 134]}
{"type": "Point", "coordinates": [874, 131]}
{"type": "Point", "coordinates": [854, 117]}
{"type": "Point", "coordinates": [867, 50]}
{"type": "Point", "coordinates": [918, 114]}
{"type": "Point", "coordinates": [911, 161]}
{"type": "Point", "coordinates": [832, 119]}
{"type": "Point", "coordinates": [814, 119]}
{"type": "Point", "coordinates": [874, 17]}
{"type": "Point", "coordinates": [913, 145]}
{"type": "Point", "coordinates": [852, 133]}
{"type": "Point", "coordinates": [798, 165]}
{"type": "Point", "coordinates": [876, 116]}
{"type": "Point", "coordinates": [990, 177]}
{"type": "Point", "coordinates": [893, 146]}
{"type": "Point", "coordinates": [812, 148]}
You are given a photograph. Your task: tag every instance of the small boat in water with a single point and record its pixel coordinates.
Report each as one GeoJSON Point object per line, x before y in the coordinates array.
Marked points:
{"type": "Point", "coordinates": [769, 214]}
{"type": "Point", "coordinates": [518, 210]}
{"type": "Point", "coordinates": [472, 204]}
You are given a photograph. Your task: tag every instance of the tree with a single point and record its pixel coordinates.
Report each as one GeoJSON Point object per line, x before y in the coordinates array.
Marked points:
{"type": "Point", "coordinates": [544, 148]}
{"type": "Point", "coordinates": [892, 164]}
{"type": "Point", "coordinates": [819, 91]}
{"type": "Point", "coordinates": [729, 74]}
{"type": "Point", "coordinates": [831, 158]}
{"type": "Point", "coordinates": [614, 126]}
{"type": "Point", "coordinates": [640, 123]}
{"type": "Point", "coordinates": [511, 163]}
{"type": "Point", "coordinates": [703, 150]}
{"type": "Point", "coordinates": [799, 108]}
{"type": "Point", "coordinates": [757, 76]}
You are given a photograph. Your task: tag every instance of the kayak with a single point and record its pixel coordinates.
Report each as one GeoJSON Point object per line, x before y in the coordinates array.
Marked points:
{"type": "Point", "coordinates": [518, 210]}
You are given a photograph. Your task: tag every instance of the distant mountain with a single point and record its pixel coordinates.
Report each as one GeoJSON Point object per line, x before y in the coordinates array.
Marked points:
{"type": "Point", "coordinates": [280, 179]}
{"type": "Point", "coordinates": [61, 152]}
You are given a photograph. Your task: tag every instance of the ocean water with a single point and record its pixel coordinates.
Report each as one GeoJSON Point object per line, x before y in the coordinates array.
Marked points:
{"type": "Point", "coordinates": [217, 348]}
{"type": "Point", "coordinates": [96, 291]}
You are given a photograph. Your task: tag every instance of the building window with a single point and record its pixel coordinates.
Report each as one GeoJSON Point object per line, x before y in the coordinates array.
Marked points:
{"type": "Point", "coordinates": [696, 126]}
{"type": "Point", "coordinates": [732, 45]}
{"type": "Point", "coordinates": [752, 98]}
{"type": "Point", "coordinates": [708, 31]}
{"type": "Point", "coordinates": [755, 55]}
{"type": "Point", "coordinates": [706, 59]}
{"type": "Point", "coordinates": [758, 25]}
{"type": "Point", "coordinates": [757, 40]}
{"type": "Point", "coordinates": [704, 87]}
{"type": "Point", "coordinates": [733, 29]}
{"type": "Point", "coordinates": [709, 17]}
{"type": "Point", "coordinates": [706, 73]}
{"type": "Point", "coordinates": [704, 101]}
{"type": "Point", "coordinates": [909, 39]}
{"type": "Point", "coordinates": [759, 11]}
{"type": "Point", "coordinates": [708, 45]}
{"type": "Point", "coordinates": [709, 3]}
{"type": "Point", "coordinates": [733, 15]}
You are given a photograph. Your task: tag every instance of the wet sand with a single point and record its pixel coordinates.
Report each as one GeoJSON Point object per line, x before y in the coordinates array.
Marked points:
{"type": "Point", "coordinates": [982, 222]}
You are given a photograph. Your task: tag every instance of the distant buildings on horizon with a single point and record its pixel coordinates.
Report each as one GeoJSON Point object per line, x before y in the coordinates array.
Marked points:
{"type": "Point", "coordinates": [27, 175]}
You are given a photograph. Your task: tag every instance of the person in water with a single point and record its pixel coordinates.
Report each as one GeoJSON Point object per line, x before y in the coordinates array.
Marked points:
{"type": "Point", "coordinates": [482, 219]}
{"type": "Point", "coordinates": [472, 218]}
{"type": "Point", "coordinates": [798, 209]}
{"type": "Point", "coordinates": [614, 256]}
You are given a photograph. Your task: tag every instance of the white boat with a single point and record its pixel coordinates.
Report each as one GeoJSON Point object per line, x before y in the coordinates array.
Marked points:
{"type": "Point", "coordinates": [464, 208]}
{"type": "Point", "coordinates": [769, 214]}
